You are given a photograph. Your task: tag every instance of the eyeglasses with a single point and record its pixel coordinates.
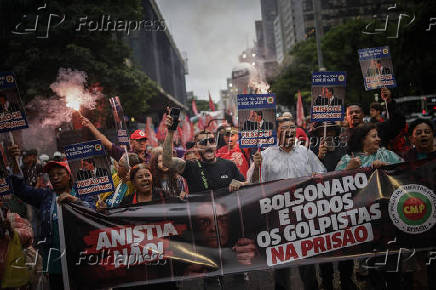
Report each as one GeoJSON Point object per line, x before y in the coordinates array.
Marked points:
{"type": "Point", "coordinates": [204, 141]}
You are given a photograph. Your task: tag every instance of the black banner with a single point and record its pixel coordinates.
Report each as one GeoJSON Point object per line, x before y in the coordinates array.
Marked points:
{"type": "Point", "coordinates": [334, 216]}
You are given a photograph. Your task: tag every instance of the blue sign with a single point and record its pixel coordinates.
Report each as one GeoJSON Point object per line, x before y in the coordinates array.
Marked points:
{"type": "Point", "coordinates": [377, 68]}
{"type": "Point", "coordinates": [89, 167]}
{"type": "Point", "coordinates": [257, 120]}
{"type": "Point", "coordinates": [5, 186]}
{"type": "Point", "coordinates": [12, 113]}
{"type": "Point", "coordinates": [120, 124]}
{"type": "Point", "coordinates": [84, 150]}
{"type": "Point", "coordinates": [328, 94]}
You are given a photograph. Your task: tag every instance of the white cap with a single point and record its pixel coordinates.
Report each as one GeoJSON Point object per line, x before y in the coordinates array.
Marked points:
{"type": "Point", "coordinates": [57, 154]}
{"type": "Point", "coordinates": [44, 157]}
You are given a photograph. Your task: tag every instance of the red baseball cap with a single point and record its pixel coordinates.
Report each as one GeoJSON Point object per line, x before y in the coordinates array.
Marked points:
{"type": "Point", "coordinates": [138, 134]}
{"type": "Point", "coordinates": [52, 164]}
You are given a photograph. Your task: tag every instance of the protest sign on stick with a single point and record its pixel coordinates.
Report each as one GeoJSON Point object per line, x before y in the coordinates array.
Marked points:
{"type": "Point", "coordinates": [120, 124]}
{"type": "Point", "coordinates": [12, 113]}
{"type": "Point", "coordinates": [377, 68]}
{"type": "Point", "coordinates": [90, 168]}
{"type": "Point", "coordinates": [328, 94]}
{"type": "Point", "coordinates": [257, 120]}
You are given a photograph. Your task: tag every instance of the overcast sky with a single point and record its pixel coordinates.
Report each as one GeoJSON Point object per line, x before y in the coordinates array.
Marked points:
{"type": "Point", "coordinates": [212, 33]}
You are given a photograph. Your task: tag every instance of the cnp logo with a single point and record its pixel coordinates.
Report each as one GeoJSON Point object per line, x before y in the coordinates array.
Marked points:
{"type": "Point", "coordinates": [412, 208]}
{"type": "Point", "coordinates": [270, 100]}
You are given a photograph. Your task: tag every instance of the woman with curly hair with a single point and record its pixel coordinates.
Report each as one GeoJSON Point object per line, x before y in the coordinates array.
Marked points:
{"type": "Point", "coordinates": [365, 151]}
{"type": "Point", "coordinates": [171, 183]}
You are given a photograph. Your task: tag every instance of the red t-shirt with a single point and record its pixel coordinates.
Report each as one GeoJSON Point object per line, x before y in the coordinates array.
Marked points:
{"type": "Point", "coordinates": [236, 156]}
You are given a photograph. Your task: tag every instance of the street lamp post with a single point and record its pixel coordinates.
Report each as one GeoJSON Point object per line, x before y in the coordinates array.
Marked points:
{"type": "Point", "coordinates": [318, 28]}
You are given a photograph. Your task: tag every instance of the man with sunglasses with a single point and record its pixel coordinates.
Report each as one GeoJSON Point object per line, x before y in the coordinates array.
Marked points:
{"type": "Point", "coordinates": [208, 173]}
{"type": "Point", "coordinates": [287, 160]}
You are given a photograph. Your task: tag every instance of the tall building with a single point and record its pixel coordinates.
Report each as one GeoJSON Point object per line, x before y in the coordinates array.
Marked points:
{"type": "Point", "coordinates": [269, 14]}
{"type": "Point", "coordinates": [295, 18]}
{"type": "Point", "coordinates": [156, 54]}
{"type": "Point", "coordinates": [336, 12]}
{"type": "Point", "coordinates": [278, 38]}
{"type": "Point", "coordinates": [288, 26]}
{"type": "Point", "coordinates": [260, 41]}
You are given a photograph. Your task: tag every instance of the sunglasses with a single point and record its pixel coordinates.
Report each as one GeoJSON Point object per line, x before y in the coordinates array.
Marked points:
{"type": "Point", "coordinates": [204, 141]}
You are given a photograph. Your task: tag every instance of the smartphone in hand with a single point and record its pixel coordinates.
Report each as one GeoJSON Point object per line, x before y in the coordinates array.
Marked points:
{"type": "Point", "coordinates": [174, 113]}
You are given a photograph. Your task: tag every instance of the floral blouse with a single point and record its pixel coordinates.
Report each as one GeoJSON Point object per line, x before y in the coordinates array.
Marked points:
{"type": "Point", "coordinates": [382, 154]}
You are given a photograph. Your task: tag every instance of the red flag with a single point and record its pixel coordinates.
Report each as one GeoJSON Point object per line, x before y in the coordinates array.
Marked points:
{"type": "Point", "coordinates": [200, 123]}
{"type": "Point", "coordinates": [211, 104]}
{"type": "Point", "coordinates": [162, 129]}
{"type": "Point", "coordinates": [194, 107]}
{"type": "Point", "coordinates": [152, 139]}
{"type": "Point", "coordinates": [186, 129]}
{"type": "Point", "coordinates": [300, 112]}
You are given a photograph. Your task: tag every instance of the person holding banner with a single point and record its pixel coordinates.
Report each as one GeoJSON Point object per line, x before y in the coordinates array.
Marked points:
{"type": "Point", "coordinates": [142, 180]}
{"type": "Point", "coordinates": [287, 160]}
{"type": "Point", "coordinates": [209, 172]}
{"type": "Point", "coordinates": [122, 183]}
{"type": "Point", "coordinates": [365, 151]}
{"type": "Point", "coordinates": [164, 178]}
{"type": "Point", "coordinates": [45, 200]}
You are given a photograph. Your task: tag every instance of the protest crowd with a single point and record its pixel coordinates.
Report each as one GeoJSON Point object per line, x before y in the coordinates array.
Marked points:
{"type": "Point", "coordinates": [147, 173]}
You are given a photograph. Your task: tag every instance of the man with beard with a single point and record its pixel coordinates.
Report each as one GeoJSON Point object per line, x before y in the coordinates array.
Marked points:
{"type": "Point", "coordinates": [224, 247]}
{"type": "Point", "coordinates": [287, 160]}
{"type": "Point", "coordinates": [210, 172]}
{"type": "Point", "coordinates": [387, 130]}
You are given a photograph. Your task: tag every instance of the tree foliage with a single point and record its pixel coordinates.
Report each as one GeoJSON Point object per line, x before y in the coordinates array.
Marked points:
{"type": "Point", "coordinates": [412, 56]}
{"type": "Point", "coordinates": [101, 54]}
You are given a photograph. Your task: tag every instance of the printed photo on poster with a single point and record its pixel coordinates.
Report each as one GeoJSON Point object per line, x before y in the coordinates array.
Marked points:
{"type": "Point", "coordinates": [235, 228]}
{"type": "Point", "coordinates": [90, 168]}
{"type": "Point", "coordinates": [257, 120]}
{"type": "Point", "coordinates": [120, 124]}
{"type": "Point", "coordinates": [205, 228]}
{"type": "Point", "coordinates": [377, 68]}
{"type": "Point", "coordinates": [328, 95]}
{"type": "Point", "coordinates": [12, 113]}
